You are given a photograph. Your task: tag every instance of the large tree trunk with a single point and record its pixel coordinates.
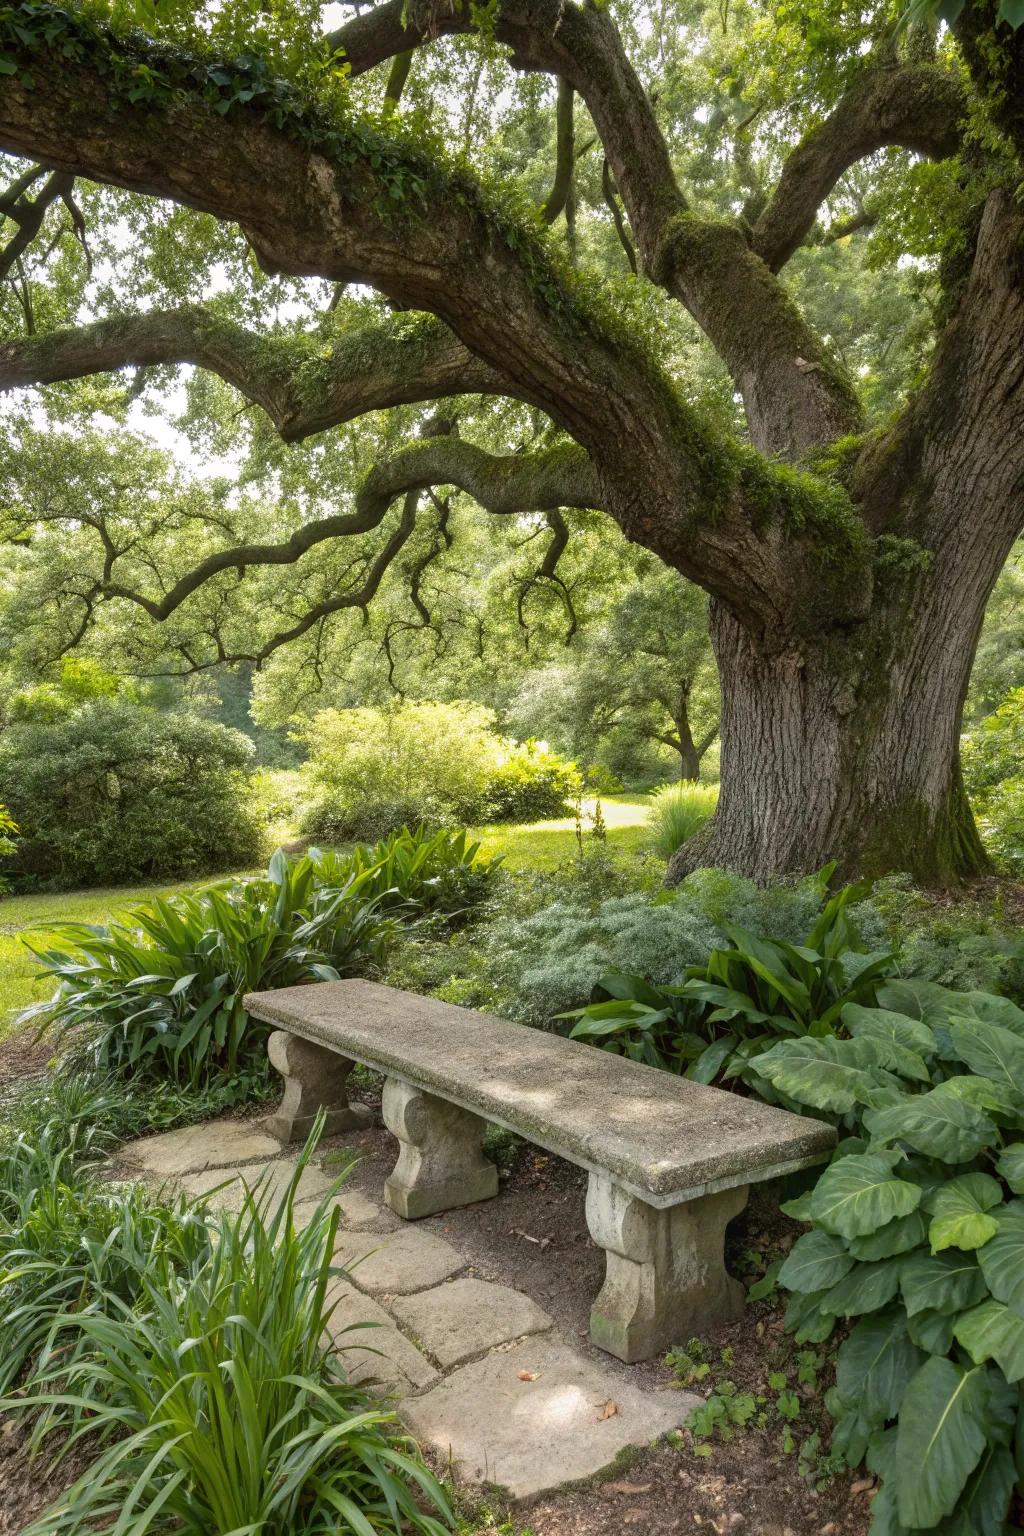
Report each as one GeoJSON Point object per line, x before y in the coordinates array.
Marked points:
{"type": "Point", "coordinates": [846, 749]}
{"type": "Point", "coordinates": [844, 743]}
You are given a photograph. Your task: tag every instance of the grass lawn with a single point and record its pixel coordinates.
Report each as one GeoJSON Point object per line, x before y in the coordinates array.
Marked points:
{"type": "Point", "coordinates": [544, 845]}
{"type": "Point", "coordinates": [539, 845]}
{"type": "Point", "coordinates": [34, 918]}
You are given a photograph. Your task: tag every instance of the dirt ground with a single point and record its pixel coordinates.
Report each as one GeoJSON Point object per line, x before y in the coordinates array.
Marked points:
{"type": "Point", "coordinates": [22, 1055]}
{"type": "Point", "coordinates": [28, 1486]}
{"type": "Point", "coordinates": [534, 1237]}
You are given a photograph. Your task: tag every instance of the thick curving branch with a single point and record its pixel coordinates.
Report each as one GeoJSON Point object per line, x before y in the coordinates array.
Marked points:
{"type": "Point", "coordinates": [318, 199]}
{"type": "Point", "coordinates": [535, 482]}
{"type": "Point", "coordinates": [915, 106]}
{"type": "Point", "coordinates": [304, 383]}
{"type": "Point", "coordinates": [795, 395]}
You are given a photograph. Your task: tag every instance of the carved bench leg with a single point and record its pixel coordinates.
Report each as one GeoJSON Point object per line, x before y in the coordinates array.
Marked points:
{"type": "Point", "coordinates": [314, 1078]}
{"type": "Point", "coordinates": [440, 1162]}
{"type": "Point", "coordinates": [666, 1279]}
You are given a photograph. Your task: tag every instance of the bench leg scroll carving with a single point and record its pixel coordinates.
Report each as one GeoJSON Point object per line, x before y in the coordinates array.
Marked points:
{"type": "Point", "coordinates": [314, 1078]}
{"type": "Point", "coordinates": [441, 1162]}
{"type": "Point", "coordinates": [666, 1279]}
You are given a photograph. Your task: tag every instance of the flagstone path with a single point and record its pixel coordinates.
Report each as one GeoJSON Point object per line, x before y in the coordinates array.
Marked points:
{"type": "Point", "coordinates": [478, 1370]}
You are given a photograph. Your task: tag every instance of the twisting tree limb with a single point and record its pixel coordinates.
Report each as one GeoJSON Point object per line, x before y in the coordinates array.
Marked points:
{"type": "Point", "coordinates": [302, 390]}
{"type": "Point", "coordinates": [517, 483]}
{"type": "Point", "coordinates": [862, 219]}
{"type": "Point", "coordinates": [547, 572]}
{"type": "Point", "coordinates": [917, 106]}
{"type": "Point", "coordinates": [608, 188]}
{"type": "Point", "coordinates": [28, 214]}
{"type": "Point", "coordinates": [20, 185]}
{"type": "Point", "coordinates": [565, 153]}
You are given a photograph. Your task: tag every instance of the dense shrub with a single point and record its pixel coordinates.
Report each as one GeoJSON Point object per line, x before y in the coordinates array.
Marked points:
{"type": "Point", "coordinates": [726, 1011]}
{"type": "Point", "coordinates": [529, 783]}
{"type": "Point", "coordinates": [161, 994]}
{"type": "Point", "coordinates": [113, 791]}
{"type": "Point", "coordinates": [916, 1238]}
{"type": "Point", "coordinates": [8, 839]}
{"type": "Point", "coordinates": [550, 962]}
{"type": "Point", "coordinates": [677, 812]}
{"type": "Point", "coordinates": [372, 771]}
{"type": "Point", "coordinates": [968, 946]}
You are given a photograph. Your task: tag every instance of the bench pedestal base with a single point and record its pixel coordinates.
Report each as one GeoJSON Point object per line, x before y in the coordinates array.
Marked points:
{"type": "Point", "coordinates": [441, 1162]}
{"type": "Point", "coordinates": [666, 1279]}
{"type": "Point", "coordinates": [314, 1077]}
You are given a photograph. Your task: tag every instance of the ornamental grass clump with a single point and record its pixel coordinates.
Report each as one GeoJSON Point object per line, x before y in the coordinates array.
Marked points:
{"type": "Point", "coordinates": [677, 812]}
{"type": "Point", "coordinates": [216, 1404]}
{"type": "Point", "coordinates": [161, 993]}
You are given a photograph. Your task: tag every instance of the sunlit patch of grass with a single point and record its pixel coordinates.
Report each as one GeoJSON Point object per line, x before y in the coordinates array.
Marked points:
{"type": "Point", "coordinates": [542, 846]}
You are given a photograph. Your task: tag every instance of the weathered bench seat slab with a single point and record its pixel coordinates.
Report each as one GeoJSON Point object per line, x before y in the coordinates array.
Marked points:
{"type": "Point", "coordinates": [665, 1139]}
{"type": "Point", "coordinates": [670, 1161]}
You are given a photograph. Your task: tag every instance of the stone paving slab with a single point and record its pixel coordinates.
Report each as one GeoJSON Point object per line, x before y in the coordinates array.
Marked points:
{"type": "Point", "coordinates": [357, 1212]}
{"type": "Point", "coordinates": [528, 1411]}
{"type": "Point", "coordinates": [270, 1179]}
{"type": "Point", "coordinates": [466, 1317]}
{"type": "Point", "coordinates": [395, 1264]}
{"type": "Point", "coordinates": [380, 1354]}
{"type": "Point", "coordinates": [217, 1144]}
{"type": "Point", "coordinates": [539, 1415]}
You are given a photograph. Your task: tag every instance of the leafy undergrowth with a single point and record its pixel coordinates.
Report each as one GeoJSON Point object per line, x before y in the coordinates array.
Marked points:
{"type": "Point", "coordinates": [185, 1352]}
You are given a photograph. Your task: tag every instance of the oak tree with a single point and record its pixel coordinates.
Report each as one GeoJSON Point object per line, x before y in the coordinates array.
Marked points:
{"type": "Point", "coordinates": [848, 570]}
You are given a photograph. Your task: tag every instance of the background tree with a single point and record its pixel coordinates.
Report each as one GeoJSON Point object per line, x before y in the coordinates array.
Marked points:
{"type": "Point", "coordinates": [644, 675]}
{"type": "Point", "coordinates": [848, 570]}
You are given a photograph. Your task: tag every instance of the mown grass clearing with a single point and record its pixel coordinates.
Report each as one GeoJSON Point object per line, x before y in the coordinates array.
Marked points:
{"type": "Point", "coordinates": [533, 846]}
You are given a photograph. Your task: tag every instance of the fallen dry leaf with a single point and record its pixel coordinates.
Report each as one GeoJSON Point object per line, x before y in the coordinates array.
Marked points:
{"type": "Point", "coordinates": [527, 1375]}
{"type": "Point", "coordinates": [862, 1486]}
{"type": "Point", "coordinates": [608, 1410]}
{"type": "Point", "coordinates": [634, 1489]}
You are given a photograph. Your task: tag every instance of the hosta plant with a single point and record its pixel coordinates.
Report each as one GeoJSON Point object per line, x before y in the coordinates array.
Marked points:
{"type": "Point", "coordinates": [727, 1011]}
{"type": "Point", "coordinates": [162, 991]}
{"type": "Point", "coordinates": [917, 1240]}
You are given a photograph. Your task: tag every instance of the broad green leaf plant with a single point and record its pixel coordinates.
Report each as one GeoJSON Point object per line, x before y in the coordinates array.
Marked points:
{"type": "Point", "coordinates": [917, 1241]}
{"type": "Point", "coordinates": [725, 1013]}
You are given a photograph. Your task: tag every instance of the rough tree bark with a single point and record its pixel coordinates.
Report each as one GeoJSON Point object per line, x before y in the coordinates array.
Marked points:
{"type": "Point", "coordinates": [846, 602]}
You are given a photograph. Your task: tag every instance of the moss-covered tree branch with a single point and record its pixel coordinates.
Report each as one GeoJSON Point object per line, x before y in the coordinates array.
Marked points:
{"type": "Point", "coordinates": [305, 383]}
{"type": "Point", "coordinates": [795, 394]}
{"type": "Point", "coordinates": [916, 106]}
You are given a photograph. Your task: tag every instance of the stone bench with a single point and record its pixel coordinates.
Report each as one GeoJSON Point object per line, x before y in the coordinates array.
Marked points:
{"type": "Point", "coordinates": [670, 1160]}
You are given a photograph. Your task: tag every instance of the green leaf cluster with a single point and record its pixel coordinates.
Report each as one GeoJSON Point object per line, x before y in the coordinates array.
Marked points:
{"type": "Point", "coordinates": [726, 1013]}
{"type": "Point", "coordinates": [917, 1239]}
{"type": "Point", "coordinates": [161, 994]}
